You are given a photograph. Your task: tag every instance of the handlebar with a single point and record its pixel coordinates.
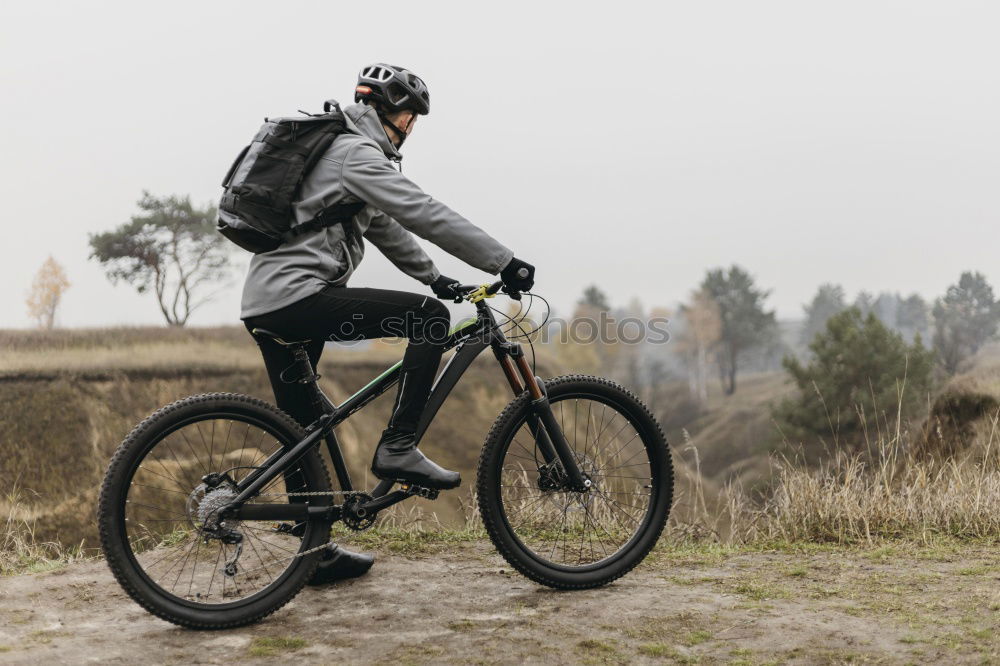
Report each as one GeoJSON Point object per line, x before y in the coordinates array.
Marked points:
{"type": "Point", "coordinates": [489, 290]}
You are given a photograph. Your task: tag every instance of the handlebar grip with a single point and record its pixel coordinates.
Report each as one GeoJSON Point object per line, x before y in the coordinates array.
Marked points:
{"type": "Point", "coordinates": [523, 273]}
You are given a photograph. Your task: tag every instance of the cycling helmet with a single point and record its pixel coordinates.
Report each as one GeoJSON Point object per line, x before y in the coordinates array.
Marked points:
{"type": "Point", "coordinates": [393, 89]}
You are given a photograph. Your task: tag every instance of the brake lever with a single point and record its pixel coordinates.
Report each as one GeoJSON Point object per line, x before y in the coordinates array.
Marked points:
{"type": "Point", "coordinates": [513, 294]}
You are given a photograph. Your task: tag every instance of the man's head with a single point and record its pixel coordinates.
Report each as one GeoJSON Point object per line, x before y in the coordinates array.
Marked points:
{"type": "Point", "coordinates": [397, 94]}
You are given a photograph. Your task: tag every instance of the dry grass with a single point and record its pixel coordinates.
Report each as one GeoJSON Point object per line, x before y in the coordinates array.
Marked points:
{"type": "Point", "coordinates": [157, 356]}
{"type": "Point", "coordinates": [118, 337]}
{"type": "Point", "coordinates": [901, 484]}
{"type": "Point", "coordinates": [887, 492]}
{"type": "Point", "coordinates": [21, 551]}
{"type": "Point", "coordinates": [151, 349]}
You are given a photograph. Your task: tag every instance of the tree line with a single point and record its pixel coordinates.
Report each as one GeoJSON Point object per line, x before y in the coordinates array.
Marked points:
{"type": "Point", "coordinates": [854, 365]}
{"type": "Point", "coordinates": [726, 319]}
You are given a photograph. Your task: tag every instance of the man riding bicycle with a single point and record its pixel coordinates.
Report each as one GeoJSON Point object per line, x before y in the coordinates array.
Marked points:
{"type": "Point", "coordinates": [300, 289]}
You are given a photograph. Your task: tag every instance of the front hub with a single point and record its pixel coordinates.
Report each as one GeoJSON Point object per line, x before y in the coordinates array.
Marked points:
{"type": "Point", "coordinates": [553, 478]}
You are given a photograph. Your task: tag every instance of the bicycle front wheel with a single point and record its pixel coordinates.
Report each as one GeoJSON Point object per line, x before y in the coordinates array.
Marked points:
{"type": "Point", "coordinates": [560, 537]}
{"type": "Point", "coordinates": [160, 505]}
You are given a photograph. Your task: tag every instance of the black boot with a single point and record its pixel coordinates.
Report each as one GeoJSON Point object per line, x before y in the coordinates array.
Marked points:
{"type": "Point", "coordinates": [397, 459]}
{"type": "Point", "coordinates": [339, 563]}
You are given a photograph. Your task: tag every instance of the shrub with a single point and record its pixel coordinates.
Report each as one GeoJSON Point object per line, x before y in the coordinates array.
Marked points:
{"type": "Point", "coordinates": [858, 367]}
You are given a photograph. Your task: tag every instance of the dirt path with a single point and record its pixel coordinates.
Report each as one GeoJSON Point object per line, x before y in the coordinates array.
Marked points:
{"type": "Point", "coordinates": [464, 605]}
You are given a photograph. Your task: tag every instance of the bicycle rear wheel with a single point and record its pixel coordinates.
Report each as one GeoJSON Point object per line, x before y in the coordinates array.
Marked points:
{"type": "Point", "coordinates": [557, 536]}
{"type": "Point", "coordinates": [159, 523]}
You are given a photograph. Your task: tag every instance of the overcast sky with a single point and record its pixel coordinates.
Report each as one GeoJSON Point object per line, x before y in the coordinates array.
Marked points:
{"type": "Point", "coordinates": [632, 146]}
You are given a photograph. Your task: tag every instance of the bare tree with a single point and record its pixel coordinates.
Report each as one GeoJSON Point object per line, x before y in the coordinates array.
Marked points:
{"type": "Point", "coordinates": [699, 337]}
{"type": "Point", "coordinates": [46, 293]}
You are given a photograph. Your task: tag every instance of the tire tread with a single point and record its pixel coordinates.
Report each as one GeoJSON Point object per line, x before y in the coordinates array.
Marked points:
{"type": "Point", "coordinates": [492, 523]}
{"type": "Point", "coordinates": [106, 506]}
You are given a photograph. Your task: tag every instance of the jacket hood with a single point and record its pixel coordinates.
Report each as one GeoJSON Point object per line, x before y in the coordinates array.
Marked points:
{"type": "Point", "coordinates": [367, 122]}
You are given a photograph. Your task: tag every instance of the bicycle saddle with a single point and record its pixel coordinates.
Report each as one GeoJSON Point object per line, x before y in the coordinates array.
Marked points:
{"type": "Point", "coordinates": [277, 338]}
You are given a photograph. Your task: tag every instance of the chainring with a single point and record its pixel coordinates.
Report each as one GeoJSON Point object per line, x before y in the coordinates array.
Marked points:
{"type": "Point", "coordinates": [350, 512]}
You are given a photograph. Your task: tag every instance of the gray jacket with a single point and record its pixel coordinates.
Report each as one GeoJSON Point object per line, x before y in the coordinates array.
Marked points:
{"type": "Point", "coordinates": [359, 166]}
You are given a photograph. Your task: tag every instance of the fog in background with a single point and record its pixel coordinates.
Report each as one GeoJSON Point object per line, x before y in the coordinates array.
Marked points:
{"type": "Point", "coordinates": [632, 145]}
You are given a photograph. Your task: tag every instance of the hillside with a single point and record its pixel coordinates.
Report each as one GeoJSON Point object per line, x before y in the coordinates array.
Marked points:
{"type": "Point", "coordinates": [437, 600]}
{"type": "Point", "coordinates": [65, 405]}
{"type": "Point", "coordinates": [68, 398]}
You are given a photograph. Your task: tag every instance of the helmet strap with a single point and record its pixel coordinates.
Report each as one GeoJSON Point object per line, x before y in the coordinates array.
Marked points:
{"type": "Point", "coordinates": [399, 133]}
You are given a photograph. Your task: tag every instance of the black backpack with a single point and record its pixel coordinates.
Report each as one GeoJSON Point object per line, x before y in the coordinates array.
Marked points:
{"type": "Point", "coordinates": [256, 208]}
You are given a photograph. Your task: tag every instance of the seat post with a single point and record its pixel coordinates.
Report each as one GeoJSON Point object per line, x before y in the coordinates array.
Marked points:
{"type": "Point", "coordinates": [303, 371]}
{"type": "Point", "coordinates": [305, 374]}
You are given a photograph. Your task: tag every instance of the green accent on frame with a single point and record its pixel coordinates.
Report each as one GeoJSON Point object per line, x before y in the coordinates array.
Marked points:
{"type": "Point", "coordinates": [462, 324]}
{"type": "Point", "coordinates": [454, 329]}
{"type": "Point", "coordinates": [377, 379]}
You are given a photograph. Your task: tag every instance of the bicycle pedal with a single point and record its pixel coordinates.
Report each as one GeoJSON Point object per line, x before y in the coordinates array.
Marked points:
{"type": "Point", "coordinates": [420, 491]}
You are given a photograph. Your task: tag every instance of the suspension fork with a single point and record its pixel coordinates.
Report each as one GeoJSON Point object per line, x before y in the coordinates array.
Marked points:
{"type": "Point", "coordinates": [549, 436]}
{"type": "Point", "coordinates": [511, 372]}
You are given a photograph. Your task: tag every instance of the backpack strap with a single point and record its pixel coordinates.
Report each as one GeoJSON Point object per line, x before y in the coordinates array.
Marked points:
{"type": "Point", "coordinates": [338, 214]}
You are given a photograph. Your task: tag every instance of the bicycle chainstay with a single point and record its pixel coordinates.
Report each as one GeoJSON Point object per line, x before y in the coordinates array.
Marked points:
{"type": "Point", "coordinates": [416, 491]}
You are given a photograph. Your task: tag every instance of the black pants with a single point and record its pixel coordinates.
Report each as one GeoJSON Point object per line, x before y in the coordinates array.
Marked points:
{"type": "Point", "coordinates": [357, 313]}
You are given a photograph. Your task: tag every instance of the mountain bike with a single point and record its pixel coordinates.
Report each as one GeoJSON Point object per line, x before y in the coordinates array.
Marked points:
{"type": "Point", "coordinates": [215, 509]}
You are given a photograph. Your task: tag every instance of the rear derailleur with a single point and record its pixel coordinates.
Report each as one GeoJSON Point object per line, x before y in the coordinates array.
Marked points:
{"type": "Point", "coordinates": [207, 503]}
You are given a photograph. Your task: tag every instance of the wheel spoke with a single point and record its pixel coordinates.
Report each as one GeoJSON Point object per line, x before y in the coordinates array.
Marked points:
{"type": "Point", "coordinates": [566, 527]}
{"type": "Point", "coordinates": [179, 546]}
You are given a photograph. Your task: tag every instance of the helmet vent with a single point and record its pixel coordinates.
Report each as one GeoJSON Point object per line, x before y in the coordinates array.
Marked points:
{"type": "Point", "coordinates": [392, 88]}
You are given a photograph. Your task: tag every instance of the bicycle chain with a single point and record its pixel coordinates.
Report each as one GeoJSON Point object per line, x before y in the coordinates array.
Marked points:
{"type": "Point", "coordinates": [318, 493]}
{"type": "Point", "coordinates": [324, 493]}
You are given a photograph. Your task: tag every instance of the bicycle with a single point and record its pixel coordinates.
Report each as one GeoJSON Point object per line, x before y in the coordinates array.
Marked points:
{"type": "Point", "coordinates": [214, 509]}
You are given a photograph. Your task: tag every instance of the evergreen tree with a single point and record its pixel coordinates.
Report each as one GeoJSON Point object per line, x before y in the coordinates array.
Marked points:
{"type": "Point", "coordinates": [594, 298]}
{"type": "Point", "coordinates": [912, 319]}
{"type": "Point", "coordinates": [828, 301]}
{"type": "Point", "coordinates": [858, 367]}
{"type": "Point", "coordinates": [745, 324]}
{"type": "Point", "coordinates": [864, 302]}
{"type": "Point", "coordinates": [964, 319]}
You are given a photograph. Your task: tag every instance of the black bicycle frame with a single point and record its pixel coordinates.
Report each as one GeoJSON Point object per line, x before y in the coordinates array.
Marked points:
{"type": "Point", "coordinates": [469, 341]}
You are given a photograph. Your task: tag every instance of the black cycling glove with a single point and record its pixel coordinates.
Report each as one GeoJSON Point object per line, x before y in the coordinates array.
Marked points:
{"type": "Point", "coordinates": [444, 288]}
{"type": "Point", "coordinates": [518, 275]}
